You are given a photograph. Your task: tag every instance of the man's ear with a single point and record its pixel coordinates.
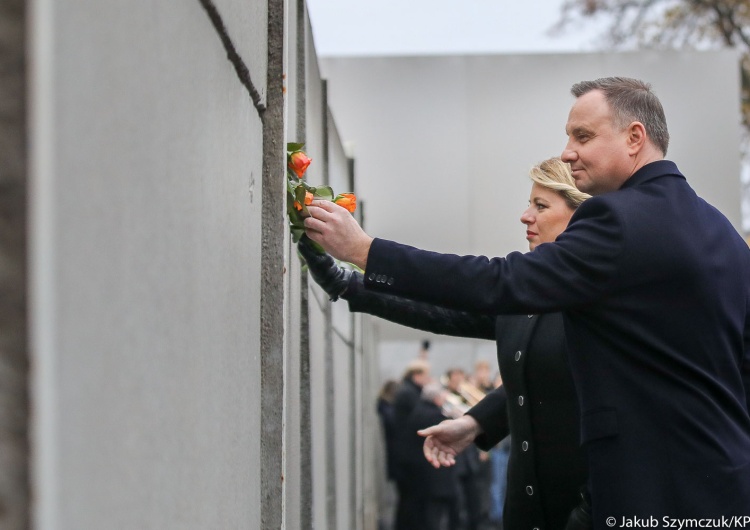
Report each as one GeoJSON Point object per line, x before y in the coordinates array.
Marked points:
{"type": "Point", "coordinates": [636, 137]}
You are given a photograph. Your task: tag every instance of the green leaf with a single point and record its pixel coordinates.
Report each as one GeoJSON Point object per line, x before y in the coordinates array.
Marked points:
{"type": "Point", "coordinates": [297, 233]}
{"type": "Point", "coordinates": [292, 147]}
{"type": "Point", "coordinates": [291, 211]}
{"type": "Point", "coordinates": [322, 192]}
{"type": "Point", "coordinates": [299, 194]}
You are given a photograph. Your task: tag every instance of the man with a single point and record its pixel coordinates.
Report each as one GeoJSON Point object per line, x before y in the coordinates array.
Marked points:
{"type": "Point", "coordinates": [416, 376]}
{"type": "Point", "coordinates": [482, 376]}
{"type": "Point", "coordinates": [434, 490]}
{"type": "Point", "coordinates": [654, 285]}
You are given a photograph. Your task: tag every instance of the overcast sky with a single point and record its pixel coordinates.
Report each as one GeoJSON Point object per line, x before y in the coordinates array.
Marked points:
{"type": "Point", "coordinates": [416, 27]}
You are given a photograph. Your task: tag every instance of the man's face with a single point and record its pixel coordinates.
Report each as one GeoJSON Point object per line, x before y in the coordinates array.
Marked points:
{"type": "Point", "coordinates": [597, 151]}
{"type": "Point", "coordinates": [421, 378]}
{"type": "Point", "coordinates": [455, 380]}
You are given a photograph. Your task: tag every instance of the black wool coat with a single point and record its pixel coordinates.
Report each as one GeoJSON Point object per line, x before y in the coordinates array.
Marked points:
{"type": "Point", "coordinates": [537, 406]}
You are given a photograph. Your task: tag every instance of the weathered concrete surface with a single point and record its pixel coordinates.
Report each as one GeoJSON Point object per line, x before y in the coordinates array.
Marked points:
{"type": "Point", "coordinates": [147, 277]}
{"type": "Point", "coordinates": [14, 365]}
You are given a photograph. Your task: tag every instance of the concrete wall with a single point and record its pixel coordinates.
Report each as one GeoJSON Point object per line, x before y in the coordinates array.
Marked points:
{"type": "Point", "coordinates": [147, 213]}
{"type": "Point", "coordinates": [185, 375]}
{"type": "Point", "coordinates": [443, 147]}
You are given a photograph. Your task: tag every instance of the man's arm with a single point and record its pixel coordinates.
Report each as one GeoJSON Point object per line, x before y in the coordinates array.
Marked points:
{"type": "Point", "coordinates": [578, 268]}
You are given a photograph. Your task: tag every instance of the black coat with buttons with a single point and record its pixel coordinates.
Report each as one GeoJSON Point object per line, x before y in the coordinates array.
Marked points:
{"type": "Point", "coordinates": [537, 406]}
{"type": "Point", "coordinates": [546, 469]}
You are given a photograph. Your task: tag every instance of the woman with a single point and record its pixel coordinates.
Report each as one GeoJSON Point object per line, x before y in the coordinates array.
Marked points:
{"type": "Point", "coordinates": [536, 405]}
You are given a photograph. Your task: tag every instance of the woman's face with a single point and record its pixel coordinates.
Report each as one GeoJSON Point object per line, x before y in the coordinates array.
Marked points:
{"type": "Point", "coordinates": [546, 217]}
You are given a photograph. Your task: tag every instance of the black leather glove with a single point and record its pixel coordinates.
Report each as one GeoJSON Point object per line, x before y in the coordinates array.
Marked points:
{"type": "Point", "coordinates": [333, 279]}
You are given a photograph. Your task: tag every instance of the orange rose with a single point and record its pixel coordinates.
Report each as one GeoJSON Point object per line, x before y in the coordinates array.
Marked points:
{"type": "Point", "coordinates": [308, 200]}
{"type": "Point", "coordinates": [298, 163]}
{"type": "Point", "coordinates": [347, 200]}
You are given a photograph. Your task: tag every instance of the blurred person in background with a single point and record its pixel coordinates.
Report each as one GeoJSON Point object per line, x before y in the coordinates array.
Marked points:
{"type": "Point", "coordinates": [387, 416]}
{"type": "Point", "coordinates": [482, 382]}
{"type": "Point", "coordinates": [416, 376]}
{"type": "Point", "coordinates": [386, 397]}
{"type": "Point", "coordinates": [482, 376]}
{"type": "Point", "coordinates": [537, 404]}
{"type": "Point", "coordinates": [473, 511]}
{"type": "Point", "coordinates": [434, 503]}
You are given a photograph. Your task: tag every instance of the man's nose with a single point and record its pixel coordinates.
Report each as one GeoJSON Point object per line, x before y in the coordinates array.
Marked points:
{"type": "Point", "coordinates": [568, 154]}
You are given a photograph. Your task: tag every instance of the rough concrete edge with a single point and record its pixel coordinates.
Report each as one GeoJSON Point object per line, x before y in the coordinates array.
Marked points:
{"type": "Point", "coordinates": [272, 276]}
{"type": "Point", "coordinates": [14, 347]}
{"type": "Point", "coordinates": [306, 456]}
{"type": "Point", "coordinates": [356, 398]}
{"type": "Point", "coordinates": [330, 383]}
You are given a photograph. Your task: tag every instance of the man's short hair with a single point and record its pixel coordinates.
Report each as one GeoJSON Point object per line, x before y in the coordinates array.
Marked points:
{"type": "Point", "coordinates": [631, 100]}
{"type": "Point", "coordinates": [431, 391]}
{"type": "Point", "coordinates": [452, 371]}
{"type": "Point", "coordinates": [418, 366]}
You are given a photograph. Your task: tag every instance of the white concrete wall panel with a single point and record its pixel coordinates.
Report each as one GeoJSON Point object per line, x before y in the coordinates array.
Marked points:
{"type": "Point", "coordinates": [293, 288]}
{"type": "Point", "coordinates": [318, 393]}
{"type": "Point", "coordinates": [406, 121]}
{"type": "Point", "coordinates": [373, 465]}
{"type": "Point", "coordinates": [292, 387]}
{"type": "Point", "coordinates": [341, 321]}
{"type": "Point", "coordinates": [314, 102]}
{"type": "Point", "coordinates": [339, 162]}
{"type": "Point", "coordinates": [343, 430]}
{"type": "Point", "coordinates": [247, 24]}
{"type": "Point", "coordinates": [324, 487]}
{"type": "Point", "coordinates": [146, 249]}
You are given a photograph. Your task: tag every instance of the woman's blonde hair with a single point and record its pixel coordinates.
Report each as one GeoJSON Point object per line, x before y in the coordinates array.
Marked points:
{"type": "Point", "coordinates": [554, 174]}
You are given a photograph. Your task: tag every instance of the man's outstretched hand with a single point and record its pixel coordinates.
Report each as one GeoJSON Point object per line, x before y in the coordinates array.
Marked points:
{"type": "Point", "coordinates": [444, 441]}
{"type": "Point", "coordinates": [334, 228]}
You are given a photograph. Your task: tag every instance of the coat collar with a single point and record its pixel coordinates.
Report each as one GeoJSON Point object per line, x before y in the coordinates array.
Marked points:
{"type": "Point", "coordinates": [660, 168]}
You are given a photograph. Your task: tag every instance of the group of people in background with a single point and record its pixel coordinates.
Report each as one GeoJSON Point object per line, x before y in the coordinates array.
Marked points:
{"type": "Point", "coordinates": [467, 496]}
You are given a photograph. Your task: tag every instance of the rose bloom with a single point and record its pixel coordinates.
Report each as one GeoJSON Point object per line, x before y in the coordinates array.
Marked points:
{"type": "Point", "coordinates": [347, 200]}
{"type": "Point", "coordinates": [308, 200]}
{"type": "Point", "coordinates": [298, 163]}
